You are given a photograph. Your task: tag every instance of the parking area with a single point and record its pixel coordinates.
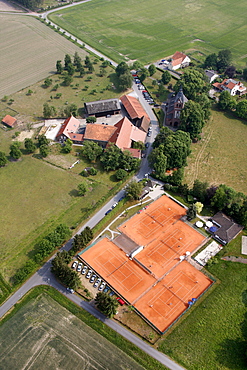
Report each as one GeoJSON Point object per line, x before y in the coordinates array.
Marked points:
{"type": "Point", "coordinates": [90, 280]}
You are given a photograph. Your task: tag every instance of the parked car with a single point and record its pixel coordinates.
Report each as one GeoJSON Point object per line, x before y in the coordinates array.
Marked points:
{"type": "Point", "coordinates": [147, 145]}
{"type": "Point", "coordinates": [70, 290]}
{"type": "Point", "coordinates": [107, 212]}
{"type": "Point", "coordinates": [92, 279]}
{"type": "Point", "coordinates": [120, 301]}
{"type": "Point", "coordinates": [114, 205]}
{"type": "Point", "coordinates": [74, 264]}
{"type": "Point", "coordinates": [106, 290]}
{"type": "Point", "coordinates": [83, 271]}
{"type": "Point", "coordinates": [79, 267]}
{"type": "Point", "coordinates": [150, 128]}
{"type": "Point", "coordinates": [102, 286]}
{"type": "Point", "coordinates": [97, 282]}
{"type": "Point", "coordinates": [149, 133]}
{"type": "Point", "coordinates": [119, 200]}
{"type": "Point", "coordinates": [112, 293]}
{"type": "Point", "coordinates": [89, 274]}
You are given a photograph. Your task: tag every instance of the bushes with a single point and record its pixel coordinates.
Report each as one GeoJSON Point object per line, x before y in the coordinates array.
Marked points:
{"type": "Point", "coordinates": [43, 249]}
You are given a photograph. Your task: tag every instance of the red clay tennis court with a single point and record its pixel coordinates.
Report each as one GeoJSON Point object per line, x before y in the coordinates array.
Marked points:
{"type": "Point", "coordinates": [154, 280]}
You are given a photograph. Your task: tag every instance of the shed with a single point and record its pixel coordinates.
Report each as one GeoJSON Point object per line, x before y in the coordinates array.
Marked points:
{"type": "Point", "coordinates": [102, 108]}
{"type": "Point", "coordinates": [9, 121]}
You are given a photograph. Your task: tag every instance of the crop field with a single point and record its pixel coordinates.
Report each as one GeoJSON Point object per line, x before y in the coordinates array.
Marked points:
{"type": "Point", "coordinates": [220, 157]}
{"type": "Point", "coordinates": [148, 30]}
{"type": "Point", "coordinates": [29, 51]}
{"type": "Point", "coordinates": [217, 326]}
{"type": "Point", "coordinates": [44, 335]}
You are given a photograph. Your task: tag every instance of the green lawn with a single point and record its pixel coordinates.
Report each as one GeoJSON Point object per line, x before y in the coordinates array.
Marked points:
{"type": "Point", "coordinates": [213, 336]}
{"type": "Point", "coordinates": [220, 157]}
{"type": "Point", "coordinates": [91, 87]}
{"type": "Point", "coordinates": [30, 50]}
{"type": "Point", "coordinates": [148, 31]}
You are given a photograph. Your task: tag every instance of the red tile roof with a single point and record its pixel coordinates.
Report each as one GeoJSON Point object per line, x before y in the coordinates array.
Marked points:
{"type": "Point", "coordinates": [9, 121]}
{"type": "Point", "coordinates": [133, 107]}
{"type": "Point", "coordinates": [122, 135]}
{"type": "Point", "coordinates": [76, 137]}
{"type": "Point", "coordinates": [178, 58]}
{"type": "Point", "coordinates": [136, 153]}
{"type": "Point", "coordinates": [69, 126]}
{"type": "Point", "coordinates": [99, 132]}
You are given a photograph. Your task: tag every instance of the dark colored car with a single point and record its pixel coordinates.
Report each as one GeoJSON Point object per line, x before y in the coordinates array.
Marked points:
{"type": "Point", "coordinates": [107, 212]}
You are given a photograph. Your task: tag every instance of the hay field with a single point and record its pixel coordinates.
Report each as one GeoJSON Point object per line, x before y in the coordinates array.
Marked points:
{"type": "Point", "coordinates": [220, 157]}
{"type": "Point", "coordinates": [44, 335]}
{"type": "Point", "coordinates": [29, 51]}
{"type": "Point", "coordinates": [148, 30]}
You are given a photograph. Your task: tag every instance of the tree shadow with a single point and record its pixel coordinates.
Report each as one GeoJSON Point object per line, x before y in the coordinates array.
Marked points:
{"type": "Point", "coordinates": [74, 193]}
{"type": "Point", "coordinates": [231, 354]}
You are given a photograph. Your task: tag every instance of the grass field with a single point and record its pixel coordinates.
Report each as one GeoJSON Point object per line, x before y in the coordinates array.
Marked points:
{"type": "Point", "coordinates": [220, 157]}
{"type": "Point", "coordinates": [148, 31]}
{"type": "Point", "coordinates": [30, 50]}
{"type": "Point", "coordinates": [44, 335]}
{"type": "Point", "coordinates": [214, 335]}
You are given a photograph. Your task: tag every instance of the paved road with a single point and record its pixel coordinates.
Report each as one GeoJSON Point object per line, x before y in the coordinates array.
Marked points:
{"type": "Point", "coordinates": [44, 275]}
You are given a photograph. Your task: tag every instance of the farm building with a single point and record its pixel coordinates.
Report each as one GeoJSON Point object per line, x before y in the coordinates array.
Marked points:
{"type": "Point", "coordinates": [122, 134]}
{"type": "Point", "coordinates": [136, 112]}
{"type": "Point", "coordinates": [230, 85]}
{"type": "Point", "coordinates": [69, 130]}
{"type": "Point", "coordinates": [179, 60]}
{"type": "Point", "coordinates": [174, 105]}
{"type": "Point", "coordinates": [224, 229]}
{"type": "Point", "coordinates": [9, 121]}
{"type": "Point", "coordinates": [102, 108]}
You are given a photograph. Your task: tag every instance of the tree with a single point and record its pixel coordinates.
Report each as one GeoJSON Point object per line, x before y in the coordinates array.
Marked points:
{"type": "Point", "coordinates": [144, 74]}
{"type": "Point", "coordinates": [193, 82]}
{"type": "Point", "coordinates": [29, 145]}
{"type": "Point", "coordinates": [110, 159]}
{"type": "Point", "coordinates": [59, 67]}
{"type": "Point", "coordinates": [199, 190]}
{"type": "Point", "coordinates": [77, 60]}
{"type": "Point", "coordinates": [48, 111]}
{"type": "Point", "coordinates": [137, 65]}
{"type": "Point", "coordinates": [223, 59]}
{"type": "Point", "coordinates": [158, 161]}
{"type": "Point", "coordinates": [205, 104]}
{"type": "Point", "coordinates": [166, 77]}
{"type": "Point", "coordinates": [151, 69]}
{"type": "Point", "coordinates": [245, 74]}
{"type": "Point", "coordinates": [230, 71]}
{"type": "Point", "coordinates": [67, 61]}
{"type": "Point", "coordinates": [106, 304]}
{"type": "Point", "coordinates": [82, 71]}
{"type": "Point", "coordinates": [44, 150]}
{"type": "Point", "coordinates": [42, 140]}
{"type": "Point", "coordinates": [192, 119]}
{"type": "Point", "coordinates": [125, 81]}
{"type": "Point", "coordinates": [3, 159]}
{"type": "Point", "coordinates": [199, 207]}
{"type": "Point", "coordinates": [87, 61]}
{"type": "Point", "coordinates": [82, 189]}
{"type": "Point", "coordinates": [191, 212]}
{"type": "Point", "coordinates": [63, 272]}
{"type": "Point", "coordinates": [91, 150]}
{"type": "Point", "coordinates": [211, 61]}
{"type": "Point", "coordinates": [71, 109]}
{"type": "Point", "coordinates": [70, 69]}
{"type": "Point", "coordinates": [48, 82]}
{"type": "Point", "coordinates": [120, 174]}
{"type": "Point", "coordinates": [226, 101]}
{"type": "Point", "coordinates": [128, 162]}
{"type": "Point", "coordinates": [15, 150]}
{"type": "Point", "coordinates": [90, 67]}
{"type": "Point", "coordinates": [91, 119]}
{"type": "Point", "coordinates": [81, 240]}
{"type": "Point", "coordinates": [67, 80]}
{"type": "Point", "coordinates": [241, 109]}
{"type": "Point", "coordinates": [122, 69]}
{"type": "Point", "coordinates": [68, 146]}
{"type": "Point", "coordinates": [133, 190]}
{"type": "Point", "coordinates": [161, 88]}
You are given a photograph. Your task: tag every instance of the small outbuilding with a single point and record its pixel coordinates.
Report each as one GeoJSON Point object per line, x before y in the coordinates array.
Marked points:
{"type": "Point", "coordinates": [224, 229]}
{"type": "Point", "coordinates": [9, 121]}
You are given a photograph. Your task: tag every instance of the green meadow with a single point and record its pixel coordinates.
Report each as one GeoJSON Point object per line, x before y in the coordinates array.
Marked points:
{"type": "Point", "coordinates": [144, 30]}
